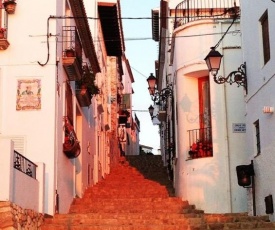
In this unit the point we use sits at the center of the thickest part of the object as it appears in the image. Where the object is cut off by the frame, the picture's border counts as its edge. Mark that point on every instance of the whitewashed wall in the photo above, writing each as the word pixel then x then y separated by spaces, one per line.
pixel 42 130
pixel 261 80
pixel 209 183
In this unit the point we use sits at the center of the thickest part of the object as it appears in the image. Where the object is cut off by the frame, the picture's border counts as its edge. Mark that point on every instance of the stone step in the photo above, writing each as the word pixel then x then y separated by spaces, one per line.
pixel 233 217
pixel 137 220
pixel 119 227
pixel 121 219
pixel 132 201
pixel 151 166
pixel 148 205
pixel 238 221
pixel 128 200
pixel 111 209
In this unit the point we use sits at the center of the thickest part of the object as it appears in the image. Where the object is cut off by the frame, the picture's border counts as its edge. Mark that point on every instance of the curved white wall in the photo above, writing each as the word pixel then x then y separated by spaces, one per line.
pixel 209 183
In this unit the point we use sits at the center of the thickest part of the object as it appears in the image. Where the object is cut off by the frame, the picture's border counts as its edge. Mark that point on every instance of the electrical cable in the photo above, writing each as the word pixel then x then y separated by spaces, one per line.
pixel 233 21
pixel 138 72
pixel 136 18
pixel 183 36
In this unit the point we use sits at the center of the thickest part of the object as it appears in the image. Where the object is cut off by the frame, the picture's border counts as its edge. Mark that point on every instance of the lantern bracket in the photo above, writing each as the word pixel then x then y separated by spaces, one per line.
pixel 238 77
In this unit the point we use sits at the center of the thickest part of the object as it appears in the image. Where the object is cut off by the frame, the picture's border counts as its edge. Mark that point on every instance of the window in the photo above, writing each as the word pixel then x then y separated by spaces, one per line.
pixel 257 135
pixel 200 140
pixel 265 37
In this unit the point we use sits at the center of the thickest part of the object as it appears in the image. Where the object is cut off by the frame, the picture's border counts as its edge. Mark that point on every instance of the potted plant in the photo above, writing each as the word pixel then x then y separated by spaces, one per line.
pixel 2 32
pixel 88 82
pixel 86 88
pixel 70 52
pixel 9 6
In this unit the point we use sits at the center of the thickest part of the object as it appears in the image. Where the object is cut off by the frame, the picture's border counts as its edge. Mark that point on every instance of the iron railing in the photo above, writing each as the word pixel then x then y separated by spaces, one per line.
pixel 200 142
pixel 24 165
pixel 71 41
pixel 193 10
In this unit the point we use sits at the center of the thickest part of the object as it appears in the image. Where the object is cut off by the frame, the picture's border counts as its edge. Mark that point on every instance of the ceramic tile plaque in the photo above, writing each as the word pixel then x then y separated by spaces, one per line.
pixel 28 94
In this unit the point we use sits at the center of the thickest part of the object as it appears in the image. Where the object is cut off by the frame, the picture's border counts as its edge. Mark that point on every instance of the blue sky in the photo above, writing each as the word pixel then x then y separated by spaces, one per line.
pixel 141 51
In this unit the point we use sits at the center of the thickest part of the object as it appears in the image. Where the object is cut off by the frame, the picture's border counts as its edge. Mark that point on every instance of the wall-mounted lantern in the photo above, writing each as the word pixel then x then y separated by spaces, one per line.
pixel 213 62
pixel 152 84
pixel 151 110
pixel 158 96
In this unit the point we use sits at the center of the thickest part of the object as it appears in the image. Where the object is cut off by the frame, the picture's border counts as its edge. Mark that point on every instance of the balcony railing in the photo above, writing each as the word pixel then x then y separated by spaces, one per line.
pixel 24 165
pixel 193 10
pixel 72 53
pixel 200 142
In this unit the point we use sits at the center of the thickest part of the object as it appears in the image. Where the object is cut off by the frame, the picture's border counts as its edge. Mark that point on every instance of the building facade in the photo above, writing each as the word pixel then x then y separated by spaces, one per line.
pixel 60 101
pixel 257 22
pixel 201 138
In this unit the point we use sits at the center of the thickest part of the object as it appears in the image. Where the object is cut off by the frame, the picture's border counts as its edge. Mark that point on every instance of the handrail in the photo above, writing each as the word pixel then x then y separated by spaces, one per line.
pixel 24 165
pixel 193 10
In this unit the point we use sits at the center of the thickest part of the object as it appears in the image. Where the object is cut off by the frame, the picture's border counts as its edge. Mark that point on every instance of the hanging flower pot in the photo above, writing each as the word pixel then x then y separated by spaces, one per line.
pixel 71 146
pixel 83 96
pixel 9 6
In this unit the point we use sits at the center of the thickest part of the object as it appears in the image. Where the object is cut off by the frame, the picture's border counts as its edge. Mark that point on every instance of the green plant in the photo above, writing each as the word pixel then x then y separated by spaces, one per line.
pixel 88 81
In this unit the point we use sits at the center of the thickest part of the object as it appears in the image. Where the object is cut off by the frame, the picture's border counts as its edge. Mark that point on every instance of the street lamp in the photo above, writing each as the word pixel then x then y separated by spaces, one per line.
pixel 152 83
pixel 158 96
pixel 151 110
pixel 213 62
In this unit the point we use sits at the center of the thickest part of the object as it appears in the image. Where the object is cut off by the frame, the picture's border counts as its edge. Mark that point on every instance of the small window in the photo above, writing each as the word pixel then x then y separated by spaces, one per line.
pixel 265 37
pixel 257 137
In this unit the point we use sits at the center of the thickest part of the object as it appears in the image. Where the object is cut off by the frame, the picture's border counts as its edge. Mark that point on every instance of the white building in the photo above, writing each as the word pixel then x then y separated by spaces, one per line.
pixel 55 124
pixel 200 137
pixel 258 38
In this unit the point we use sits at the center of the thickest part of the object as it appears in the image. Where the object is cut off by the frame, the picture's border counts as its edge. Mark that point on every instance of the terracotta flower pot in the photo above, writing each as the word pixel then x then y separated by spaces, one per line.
pixel 10 7
pixel 70 53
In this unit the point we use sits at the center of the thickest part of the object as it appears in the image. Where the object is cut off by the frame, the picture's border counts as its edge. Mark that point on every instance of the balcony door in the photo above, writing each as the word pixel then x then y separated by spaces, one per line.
pixel 204 102
pixel 205 142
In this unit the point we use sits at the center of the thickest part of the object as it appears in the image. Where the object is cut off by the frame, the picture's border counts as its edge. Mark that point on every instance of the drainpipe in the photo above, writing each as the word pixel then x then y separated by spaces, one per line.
pixel 56 200
pixel 227 149
pixel 229 195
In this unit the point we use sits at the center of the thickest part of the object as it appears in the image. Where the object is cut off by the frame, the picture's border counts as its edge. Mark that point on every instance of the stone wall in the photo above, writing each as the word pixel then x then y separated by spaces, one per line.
pixel 113 76
pixel 14 217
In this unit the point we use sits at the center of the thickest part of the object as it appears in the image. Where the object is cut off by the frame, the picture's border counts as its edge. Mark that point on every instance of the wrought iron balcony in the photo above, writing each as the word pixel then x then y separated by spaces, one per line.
pixel 200 142
pixel 193 10
pixel 24 165
pixel 72 53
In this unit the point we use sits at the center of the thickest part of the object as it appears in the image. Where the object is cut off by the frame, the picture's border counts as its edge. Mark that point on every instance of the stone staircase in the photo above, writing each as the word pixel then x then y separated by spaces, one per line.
pixel 126 200
pixel 152 168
